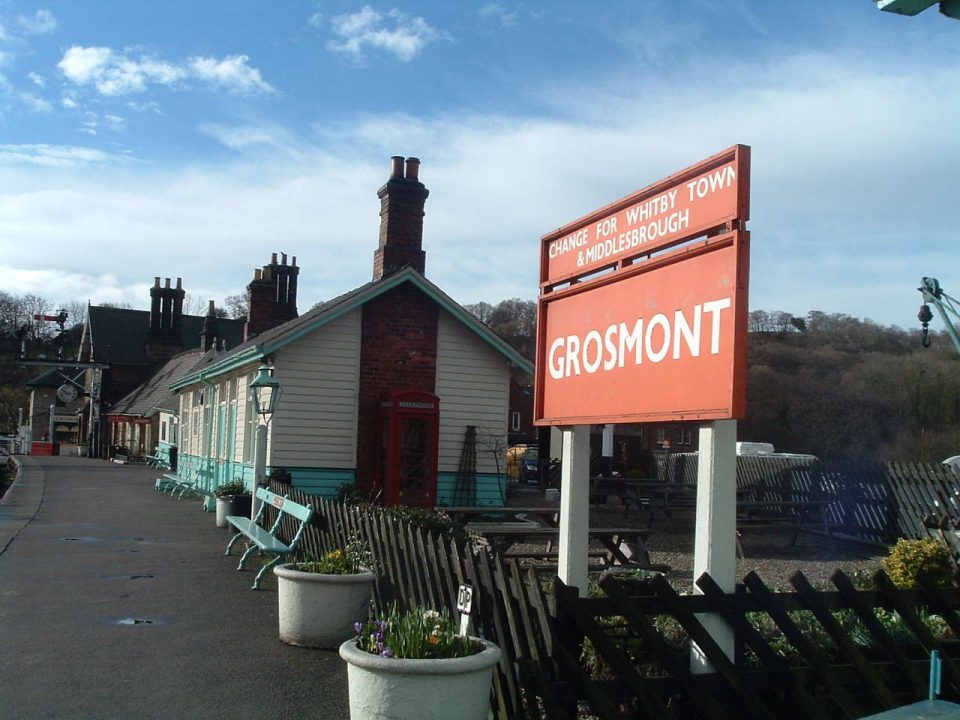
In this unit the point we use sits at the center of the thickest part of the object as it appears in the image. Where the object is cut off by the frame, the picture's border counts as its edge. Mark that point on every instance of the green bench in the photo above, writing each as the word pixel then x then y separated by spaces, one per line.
pixel 266 540
pixel 181 483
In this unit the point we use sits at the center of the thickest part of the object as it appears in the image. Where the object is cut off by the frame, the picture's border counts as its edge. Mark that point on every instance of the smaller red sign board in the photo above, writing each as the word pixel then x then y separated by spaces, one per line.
pixel 685 205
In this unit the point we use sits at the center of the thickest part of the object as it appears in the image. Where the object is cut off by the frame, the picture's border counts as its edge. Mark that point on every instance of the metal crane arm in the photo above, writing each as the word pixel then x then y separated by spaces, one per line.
pixel 946 306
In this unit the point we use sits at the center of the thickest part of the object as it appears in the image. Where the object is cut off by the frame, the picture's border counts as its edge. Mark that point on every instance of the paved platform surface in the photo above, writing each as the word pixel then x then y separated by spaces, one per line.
pixel 87 547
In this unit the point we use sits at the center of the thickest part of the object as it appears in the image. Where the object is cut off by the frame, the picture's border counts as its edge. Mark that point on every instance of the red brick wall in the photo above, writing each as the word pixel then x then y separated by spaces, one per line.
pixel 399 350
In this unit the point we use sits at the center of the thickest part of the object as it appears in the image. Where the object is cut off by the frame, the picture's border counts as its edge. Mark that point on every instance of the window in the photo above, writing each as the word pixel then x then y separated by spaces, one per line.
pixel 163 431
pixel 249 423
pixel 514 421
pixel 686 436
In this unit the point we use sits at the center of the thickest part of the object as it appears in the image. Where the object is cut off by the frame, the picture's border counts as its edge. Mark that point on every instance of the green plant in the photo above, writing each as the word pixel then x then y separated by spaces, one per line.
pixel 416 634
pixel 909 559
pixel 355 557
pixel 231 489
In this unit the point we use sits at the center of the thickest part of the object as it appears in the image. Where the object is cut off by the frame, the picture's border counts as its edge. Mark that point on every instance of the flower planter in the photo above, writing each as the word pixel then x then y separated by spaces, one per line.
pixel 319 610
pixel 232 505
pixel 447 689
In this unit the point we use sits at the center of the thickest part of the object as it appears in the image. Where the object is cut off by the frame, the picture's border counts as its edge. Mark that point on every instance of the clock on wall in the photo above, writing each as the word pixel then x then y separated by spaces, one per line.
pixel 67 393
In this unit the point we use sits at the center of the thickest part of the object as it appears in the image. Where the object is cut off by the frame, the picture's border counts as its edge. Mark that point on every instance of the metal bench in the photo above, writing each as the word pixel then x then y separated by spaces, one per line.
pixel 183 484
pixel 264 539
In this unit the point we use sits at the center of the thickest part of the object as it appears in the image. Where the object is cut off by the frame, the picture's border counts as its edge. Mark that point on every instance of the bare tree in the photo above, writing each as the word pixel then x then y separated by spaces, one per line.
pixel 237 306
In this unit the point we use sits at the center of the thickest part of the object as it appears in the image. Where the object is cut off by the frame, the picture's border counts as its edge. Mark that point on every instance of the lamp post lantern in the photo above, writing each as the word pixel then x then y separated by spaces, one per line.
pixel 266 394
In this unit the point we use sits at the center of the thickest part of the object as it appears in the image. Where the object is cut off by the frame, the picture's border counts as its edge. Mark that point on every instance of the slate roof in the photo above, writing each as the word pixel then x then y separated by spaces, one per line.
pixel 271 340
pixel 119 335
pixel 154 393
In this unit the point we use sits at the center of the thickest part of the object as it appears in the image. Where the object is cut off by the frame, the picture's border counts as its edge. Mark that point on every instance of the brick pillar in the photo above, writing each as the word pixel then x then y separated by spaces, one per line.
pixel 398 350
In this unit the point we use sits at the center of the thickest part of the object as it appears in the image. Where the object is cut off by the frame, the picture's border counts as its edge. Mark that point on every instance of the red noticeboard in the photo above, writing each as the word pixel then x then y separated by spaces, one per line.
pixel 659 337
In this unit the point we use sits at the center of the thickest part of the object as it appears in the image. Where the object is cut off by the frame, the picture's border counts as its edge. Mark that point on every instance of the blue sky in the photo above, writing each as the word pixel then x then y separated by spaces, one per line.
pixel 193 139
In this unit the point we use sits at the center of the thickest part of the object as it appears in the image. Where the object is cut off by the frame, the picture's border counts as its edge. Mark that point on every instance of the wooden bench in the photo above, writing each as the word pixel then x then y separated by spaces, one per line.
pixel 263 539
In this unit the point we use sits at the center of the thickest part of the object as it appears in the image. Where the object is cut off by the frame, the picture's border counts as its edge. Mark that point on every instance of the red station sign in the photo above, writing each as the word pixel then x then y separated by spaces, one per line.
pixel 661 335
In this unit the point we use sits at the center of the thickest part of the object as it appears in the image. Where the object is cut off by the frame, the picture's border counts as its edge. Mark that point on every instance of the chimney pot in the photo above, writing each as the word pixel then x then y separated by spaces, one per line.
pixel 166 282
pixel 211 310
pixel 257 274
pixel 156 282
pixel 283 258
pixel 396 167
pixel 179 283
pixel 273 259
pixel 294 263
pixel 413 168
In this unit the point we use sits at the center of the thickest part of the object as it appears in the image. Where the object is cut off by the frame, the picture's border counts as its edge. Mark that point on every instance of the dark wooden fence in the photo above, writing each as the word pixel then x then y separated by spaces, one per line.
pixel 871 502
pixel 542 673
pixel 804 655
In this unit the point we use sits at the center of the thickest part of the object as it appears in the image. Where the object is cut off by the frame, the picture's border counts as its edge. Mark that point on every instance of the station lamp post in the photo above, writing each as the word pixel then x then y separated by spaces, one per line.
pixel 266 394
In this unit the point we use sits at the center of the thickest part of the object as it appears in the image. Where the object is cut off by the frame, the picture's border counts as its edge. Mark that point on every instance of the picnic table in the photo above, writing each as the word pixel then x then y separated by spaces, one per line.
pixel 621 545
pixel 549 515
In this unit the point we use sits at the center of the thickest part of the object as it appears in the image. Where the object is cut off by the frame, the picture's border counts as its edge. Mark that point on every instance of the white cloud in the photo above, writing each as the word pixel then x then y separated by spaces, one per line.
pixel 40 24
pixel 316 20
pixel 500 14
pixel 252 137
pixel 114 122
pixel 68 102
pixel 394 32
pixel 233 74
pixel 114 73
pixel 37 80
pixel 51 155
pixel 34 103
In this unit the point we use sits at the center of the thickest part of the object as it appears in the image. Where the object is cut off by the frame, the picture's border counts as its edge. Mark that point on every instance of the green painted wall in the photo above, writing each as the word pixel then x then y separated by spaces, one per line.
pixel 491 489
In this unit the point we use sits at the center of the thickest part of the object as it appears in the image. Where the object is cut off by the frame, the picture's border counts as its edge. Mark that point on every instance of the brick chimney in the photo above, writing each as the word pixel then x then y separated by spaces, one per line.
pixel 165 335
pixel 210 335
pixel 401 220
pixel 271 296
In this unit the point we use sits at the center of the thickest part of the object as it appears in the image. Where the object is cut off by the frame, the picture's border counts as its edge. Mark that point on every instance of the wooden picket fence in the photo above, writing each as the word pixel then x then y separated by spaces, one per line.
pixel 802 655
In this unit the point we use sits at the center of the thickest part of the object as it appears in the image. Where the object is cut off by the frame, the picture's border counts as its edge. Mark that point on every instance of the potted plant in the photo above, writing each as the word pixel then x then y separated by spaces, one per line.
pixel 232 499
pixel 320 599
pixel 412 666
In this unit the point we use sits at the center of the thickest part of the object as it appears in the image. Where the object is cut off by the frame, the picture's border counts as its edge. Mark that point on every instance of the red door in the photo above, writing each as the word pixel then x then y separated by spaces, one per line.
pixel 409 426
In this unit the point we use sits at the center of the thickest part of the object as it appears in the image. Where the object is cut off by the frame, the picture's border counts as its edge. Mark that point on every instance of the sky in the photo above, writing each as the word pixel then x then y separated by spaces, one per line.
pixel 194 139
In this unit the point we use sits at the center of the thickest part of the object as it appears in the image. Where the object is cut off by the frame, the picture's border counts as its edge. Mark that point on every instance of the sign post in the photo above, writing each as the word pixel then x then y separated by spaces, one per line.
pixel 642 317
pixel 715 539
pixel 574 506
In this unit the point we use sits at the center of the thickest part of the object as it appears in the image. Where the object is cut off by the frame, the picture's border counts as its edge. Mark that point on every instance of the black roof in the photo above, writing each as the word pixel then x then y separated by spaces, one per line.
pixel 155 394
pixel 119 335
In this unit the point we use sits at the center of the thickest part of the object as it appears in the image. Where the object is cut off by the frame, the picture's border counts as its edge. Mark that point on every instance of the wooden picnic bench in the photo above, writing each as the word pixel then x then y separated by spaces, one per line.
pixel 265 539
pixel 502 538
pixel 548 515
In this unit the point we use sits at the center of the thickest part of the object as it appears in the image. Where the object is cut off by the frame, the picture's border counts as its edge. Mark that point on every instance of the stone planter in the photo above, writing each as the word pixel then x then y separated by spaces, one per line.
pixel 319 610
pixel 232 505
pixel 448 689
